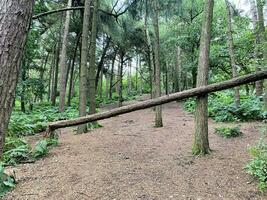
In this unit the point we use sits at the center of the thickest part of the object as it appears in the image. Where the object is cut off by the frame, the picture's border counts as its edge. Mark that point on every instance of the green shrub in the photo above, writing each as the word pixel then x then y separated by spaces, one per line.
pixel 6 182
pixel 41 149
pixel 221 108
pixel 258 165
pixel 228 132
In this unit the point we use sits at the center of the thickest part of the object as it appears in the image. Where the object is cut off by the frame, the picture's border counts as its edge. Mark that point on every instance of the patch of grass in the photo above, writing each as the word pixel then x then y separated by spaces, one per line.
pixel 7 182
pixel 228 132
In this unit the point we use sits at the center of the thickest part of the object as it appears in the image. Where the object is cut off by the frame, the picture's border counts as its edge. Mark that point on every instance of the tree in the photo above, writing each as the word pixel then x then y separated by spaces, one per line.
pixel 63 60
pixel 14 25
pixel 201 142
pixel 231 50
pixel 83 69
pixel 158 117
pixel 92 60
pixel 263 43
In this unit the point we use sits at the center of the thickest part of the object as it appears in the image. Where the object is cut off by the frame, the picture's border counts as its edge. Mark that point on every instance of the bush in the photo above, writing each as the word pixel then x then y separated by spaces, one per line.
pixel 222 108
pixel 6 182
pixel 228 132
pixel 258 165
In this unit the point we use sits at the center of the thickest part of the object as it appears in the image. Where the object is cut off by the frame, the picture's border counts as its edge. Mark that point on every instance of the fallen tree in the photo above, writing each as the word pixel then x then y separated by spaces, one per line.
pixel 159 101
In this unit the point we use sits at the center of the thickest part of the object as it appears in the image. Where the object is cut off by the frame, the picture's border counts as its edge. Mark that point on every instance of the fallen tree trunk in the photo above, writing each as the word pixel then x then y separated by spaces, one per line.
pixel 159 101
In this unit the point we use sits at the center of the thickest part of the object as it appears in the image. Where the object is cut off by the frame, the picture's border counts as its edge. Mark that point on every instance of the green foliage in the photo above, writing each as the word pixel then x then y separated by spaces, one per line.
pixel 228 132
pixel 17 150
pixel 40 149
pixel 6 182
pixel 22 124
pixel 258 165
pixel 222 108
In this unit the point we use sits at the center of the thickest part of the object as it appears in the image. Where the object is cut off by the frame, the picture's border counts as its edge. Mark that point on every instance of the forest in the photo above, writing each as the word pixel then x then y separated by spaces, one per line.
pixel 133 99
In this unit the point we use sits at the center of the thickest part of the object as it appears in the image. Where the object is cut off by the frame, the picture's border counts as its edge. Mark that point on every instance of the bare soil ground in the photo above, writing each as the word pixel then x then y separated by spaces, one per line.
pixel 129 159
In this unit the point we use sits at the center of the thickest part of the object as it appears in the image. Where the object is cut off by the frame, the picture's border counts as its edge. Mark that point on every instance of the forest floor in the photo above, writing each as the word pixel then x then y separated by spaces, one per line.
pixel 129 159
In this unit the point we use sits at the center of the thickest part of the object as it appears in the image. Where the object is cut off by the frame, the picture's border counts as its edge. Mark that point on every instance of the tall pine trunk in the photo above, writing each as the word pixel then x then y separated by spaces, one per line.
pixel 63 60
pixel 83 69
pixel 263 44
pixel 158 117
pixel 231 51
pixel 14 25
pixel 201 142
pixel 92 61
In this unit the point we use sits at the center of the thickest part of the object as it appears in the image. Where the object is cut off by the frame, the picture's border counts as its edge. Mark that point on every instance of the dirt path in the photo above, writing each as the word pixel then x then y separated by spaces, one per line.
pixel 129 159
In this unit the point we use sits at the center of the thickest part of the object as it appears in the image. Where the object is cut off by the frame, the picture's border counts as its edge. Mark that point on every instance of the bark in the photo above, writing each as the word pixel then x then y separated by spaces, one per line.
pixel 14 25
pixel 158 117
pixel 83 68
pixel 136 73
pixel 101 84
pixel 263 44
pixel 107 85
pixel 253 8
pixel 92 61
pixel 129 77
pixel 201 142
pixel 22 96
pixel 141 77
pixel 166 79
pixel 111 77
pixel 50 80
pixel 71 83
pixel 231 51
pixel 101 63
pixel 42 71
pixel 204 90
pixel 150 52
pixel 63 60
pixel 177 71
pixel 120 78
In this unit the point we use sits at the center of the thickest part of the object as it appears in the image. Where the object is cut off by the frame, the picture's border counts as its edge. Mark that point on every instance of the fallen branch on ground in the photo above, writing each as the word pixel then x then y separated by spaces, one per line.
pixel 159 101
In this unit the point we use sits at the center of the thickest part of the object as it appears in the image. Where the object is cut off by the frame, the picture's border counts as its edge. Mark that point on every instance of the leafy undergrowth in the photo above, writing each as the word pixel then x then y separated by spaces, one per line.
pixel 228 132
pixel 18 151
pixel 258 165
pixel 222 108
pixel 22 124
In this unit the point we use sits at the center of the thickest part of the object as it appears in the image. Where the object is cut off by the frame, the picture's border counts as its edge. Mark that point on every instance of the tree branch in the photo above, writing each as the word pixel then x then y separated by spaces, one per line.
pixel 159 101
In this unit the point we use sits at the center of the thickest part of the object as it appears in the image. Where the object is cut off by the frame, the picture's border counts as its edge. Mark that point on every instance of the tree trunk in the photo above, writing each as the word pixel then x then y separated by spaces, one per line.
pixel 231 51
pixel 150 55
pixel 120 77
pixel 253 8
pixel 14 25
pixel 141 77
pixel 263 43
pixel 111 77
pixel 201 143
pixel 83 69
pixel 22 96
pixel 107 85
pixel 129 77
pixel 101 84
pixel 42 71
pixel 158 117
pixel 92 61
pixel 71 83
pixel 159 101
pixel 63 60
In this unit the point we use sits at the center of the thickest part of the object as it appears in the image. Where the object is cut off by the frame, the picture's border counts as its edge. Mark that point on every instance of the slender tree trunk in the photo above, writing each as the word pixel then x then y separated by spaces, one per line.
pixel 167 79
pixel 14 25
pixel 120 77
pixel 83 69
pixel 111 77
pixel 50 80
pixel 22 96
pixel 92 61
pixel 63 60
pixel 141 78
pixel 107 85
pixel 201 143
pixel 71 83
pixel 101 84
pixel 42 71
pixel 158 117
pixel 150 50
pixel 136 73
pixel 253 8
pixel 231 51
pixel 130 77
pixel 263 43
